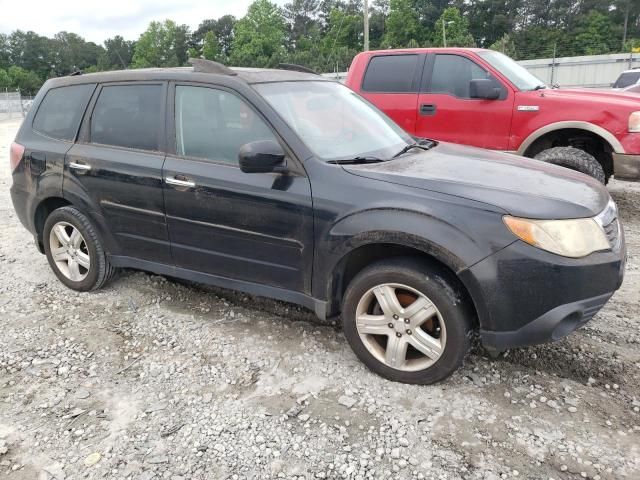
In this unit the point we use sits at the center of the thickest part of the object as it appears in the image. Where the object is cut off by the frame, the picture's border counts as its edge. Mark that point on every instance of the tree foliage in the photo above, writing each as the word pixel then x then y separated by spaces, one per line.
pixel 163 44
pixel 259 36
pixel 326 34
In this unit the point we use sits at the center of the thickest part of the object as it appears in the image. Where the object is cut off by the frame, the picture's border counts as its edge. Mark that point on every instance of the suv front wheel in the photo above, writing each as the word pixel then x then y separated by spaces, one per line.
pixel 74 250
pixel 407 321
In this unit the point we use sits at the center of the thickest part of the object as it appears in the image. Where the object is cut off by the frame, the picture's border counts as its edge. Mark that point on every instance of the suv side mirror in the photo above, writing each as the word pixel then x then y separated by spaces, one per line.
pixel 484 88
pixel 264 156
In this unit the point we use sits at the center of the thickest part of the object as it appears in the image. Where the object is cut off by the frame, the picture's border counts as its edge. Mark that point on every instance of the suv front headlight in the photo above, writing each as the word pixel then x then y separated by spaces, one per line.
pixel 634 122
pixel 570 238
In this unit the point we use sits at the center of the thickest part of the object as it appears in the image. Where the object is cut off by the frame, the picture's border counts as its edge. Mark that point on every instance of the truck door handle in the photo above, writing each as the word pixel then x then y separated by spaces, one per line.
pixel 427 109
pixel 180 181
pixel 80 166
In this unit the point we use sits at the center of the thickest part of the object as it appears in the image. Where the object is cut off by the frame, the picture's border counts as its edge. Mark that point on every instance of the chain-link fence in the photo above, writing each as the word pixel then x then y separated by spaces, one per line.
pixel 12 105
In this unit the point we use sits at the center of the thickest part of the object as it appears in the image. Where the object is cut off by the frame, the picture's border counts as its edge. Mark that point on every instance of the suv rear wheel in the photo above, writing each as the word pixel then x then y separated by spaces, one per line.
pixel 74 251
pixel 407 321
pixel 575 159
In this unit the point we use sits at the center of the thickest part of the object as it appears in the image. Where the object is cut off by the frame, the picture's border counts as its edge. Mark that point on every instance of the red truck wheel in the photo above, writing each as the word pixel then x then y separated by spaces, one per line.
pixel 575 159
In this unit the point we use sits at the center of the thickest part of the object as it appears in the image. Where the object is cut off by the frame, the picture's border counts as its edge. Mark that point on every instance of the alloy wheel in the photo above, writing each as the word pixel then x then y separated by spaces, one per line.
pixel 69 251
pixel 401 327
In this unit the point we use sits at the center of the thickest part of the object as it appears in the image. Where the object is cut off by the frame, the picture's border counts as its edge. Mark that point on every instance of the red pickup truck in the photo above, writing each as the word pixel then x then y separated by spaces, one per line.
pixel 483 98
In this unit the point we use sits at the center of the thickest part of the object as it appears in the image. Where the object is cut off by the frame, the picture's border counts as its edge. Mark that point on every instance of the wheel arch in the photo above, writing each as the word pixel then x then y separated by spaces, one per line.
pixel 554 128
pixel 47 205
pixel 364 254
pixel 593 139
pixel 42 211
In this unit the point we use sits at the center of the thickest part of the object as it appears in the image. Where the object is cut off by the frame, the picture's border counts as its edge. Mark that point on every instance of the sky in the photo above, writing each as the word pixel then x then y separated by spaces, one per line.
pixel 97 20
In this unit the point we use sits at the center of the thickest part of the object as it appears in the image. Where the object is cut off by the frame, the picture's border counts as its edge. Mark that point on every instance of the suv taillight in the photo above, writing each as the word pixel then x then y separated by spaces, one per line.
pixel 15 155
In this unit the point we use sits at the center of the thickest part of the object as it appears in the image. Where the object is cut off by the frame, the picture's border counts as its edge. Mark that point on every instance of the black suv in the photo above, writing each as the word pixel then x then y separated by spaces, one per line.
pixel 288 185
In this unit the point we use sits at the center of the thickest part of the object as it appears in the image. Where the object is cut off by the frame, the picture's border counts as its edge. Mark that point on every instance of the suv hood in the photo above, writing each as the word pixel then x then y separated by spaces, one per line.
pixel 516 185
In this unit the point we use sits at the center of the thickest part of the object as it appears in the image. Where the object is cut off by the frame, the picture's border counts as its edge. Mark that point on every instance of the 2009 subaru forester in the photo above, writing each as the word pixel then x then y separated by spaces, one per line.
pixel 288 185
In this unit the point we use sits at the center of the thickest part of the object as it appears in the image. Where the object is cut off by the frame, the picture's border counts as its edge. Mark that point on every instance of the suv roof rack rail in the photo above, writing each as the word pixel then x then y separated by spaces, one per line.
pixel 77 72
pixel 296 68
pixel 209 66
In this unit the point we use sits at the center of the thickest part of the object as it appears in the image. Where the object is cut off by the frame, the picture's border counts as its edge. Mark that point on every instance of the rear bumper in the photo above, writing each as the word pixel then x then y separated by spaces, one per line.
pixel 626 167
pixel 526 296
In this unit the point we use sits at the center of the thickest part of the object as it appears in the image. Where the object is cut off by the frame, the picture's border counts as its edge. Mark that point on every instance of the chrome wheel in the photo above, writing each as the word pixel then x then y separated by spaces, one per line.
pixel 401 327
pixel 69 251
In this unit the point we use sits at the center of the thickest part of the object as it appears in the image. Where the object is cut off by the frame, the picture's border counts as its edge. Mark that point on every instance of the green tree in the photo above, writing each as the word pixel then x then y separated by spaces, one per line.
pixel 505 45
pixel 457 30
pixel 118 54
pixel 211 47
pixel 24 80
pixel 5 81
pixel 403 25
pixel 70 52
pixel 259 36
pixel 5 51
pixel 31 51
pixel 163 44
pixel 594 35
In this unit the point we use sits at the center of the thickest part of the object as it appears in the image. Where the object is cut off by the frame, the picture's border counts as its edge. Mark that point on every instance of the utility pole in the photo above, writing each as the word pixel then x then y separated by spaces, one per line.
pixel 444 34
pixel 366 25
pixel 626 23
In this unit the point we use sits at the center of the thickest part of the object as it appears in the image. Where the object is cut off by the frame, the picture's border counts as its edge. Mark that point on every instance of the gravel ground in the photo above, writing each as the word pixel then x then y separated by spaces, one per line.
pixel 151 378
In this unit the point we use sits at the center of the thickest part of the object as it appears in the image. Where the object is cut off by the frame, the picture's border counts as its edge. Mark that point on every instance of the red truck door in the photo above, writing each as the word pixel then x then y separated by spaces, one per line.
pixel 447 112
pixel 391 82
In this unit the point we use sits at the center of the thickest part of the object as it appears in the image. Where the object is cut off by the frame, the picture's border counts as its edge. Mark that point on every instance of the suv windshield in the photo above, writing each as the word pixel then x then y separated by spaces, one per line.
pixel 333 121
pixel 515 73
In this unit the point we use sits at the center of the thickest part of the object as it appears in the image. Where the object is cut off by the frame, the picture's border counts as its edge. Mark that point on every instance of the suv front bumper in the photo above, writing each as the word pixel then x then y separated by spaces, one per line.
pixel 626 167
pixel 526 296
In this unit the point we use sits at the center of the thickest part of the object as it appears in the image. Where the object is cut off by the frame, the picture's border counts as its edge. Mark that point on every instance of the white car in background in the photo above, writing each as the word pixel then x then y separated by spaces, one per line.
pixel 629 81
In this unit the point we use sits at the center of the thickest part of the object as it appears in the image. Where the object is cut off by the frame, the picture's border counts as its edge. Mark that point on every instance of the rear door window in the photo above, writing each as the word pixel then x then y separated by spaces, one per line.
pixel 61 110
pixel 390 74
pixel 129 116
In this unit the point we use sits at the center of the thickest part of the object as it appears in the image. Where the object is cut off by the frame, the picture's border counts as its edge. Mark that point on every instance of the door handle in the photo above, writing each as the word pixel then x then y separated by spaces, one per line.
pixel 428 109
pixel 80 166
pixel 180 181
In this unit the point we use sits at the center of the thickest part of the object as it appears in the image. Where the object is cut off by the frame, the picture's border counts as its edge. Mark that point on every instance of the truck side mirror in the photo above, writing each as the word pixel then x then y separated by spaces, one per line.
pixel 484 88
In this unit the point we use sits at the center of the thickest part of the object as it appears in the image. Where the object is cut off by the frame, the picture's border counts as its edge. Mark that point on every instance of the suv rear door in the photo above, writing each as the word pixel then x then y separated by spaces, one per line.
pixel 115 169
pixel 253 227
pixel 391 83
pixel 447 112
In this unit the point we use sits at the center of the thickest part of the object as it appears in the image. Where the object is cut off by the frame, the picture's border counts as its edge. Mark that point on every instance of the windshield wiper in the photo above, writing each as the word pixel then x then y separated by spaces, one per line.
pixel 539 87
pixel 423 145
pixel 356 160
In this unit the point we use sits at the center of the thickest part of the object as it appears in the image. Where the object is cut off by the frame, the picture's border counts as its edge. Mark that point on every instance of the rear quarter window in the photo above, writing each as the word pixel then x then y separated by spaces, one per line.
pixel 390 74
pixel 61 110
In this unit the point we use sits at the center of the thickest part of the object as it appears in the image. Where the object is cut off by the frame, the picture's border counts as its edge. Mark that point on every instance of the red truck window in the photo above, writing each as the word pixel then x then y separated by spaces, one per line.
pixel 391 74
pixel 452 74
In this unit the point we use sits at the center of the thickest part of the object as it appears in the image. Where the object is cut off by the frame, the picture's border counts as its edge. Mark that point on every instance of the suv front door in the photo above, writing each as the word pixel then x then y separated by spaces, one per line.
pixel 447 112
pixel 253 227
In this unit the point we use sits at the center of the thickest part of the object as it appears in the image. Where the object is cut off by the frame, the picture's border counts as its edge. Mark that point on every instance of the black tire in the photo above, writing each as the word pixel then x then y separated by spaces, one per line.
pixel 441 288
pixel 575 159
pixel 100 270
